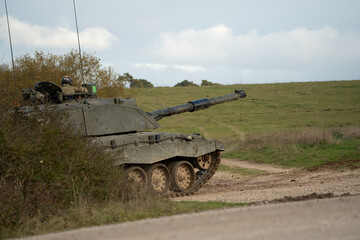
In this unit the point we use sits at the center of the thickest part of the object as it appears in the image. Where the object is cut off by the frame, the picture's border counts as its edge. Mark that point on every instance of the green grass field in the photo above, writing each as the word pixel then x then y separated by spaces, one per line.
pixel 267 107
pixel 313 108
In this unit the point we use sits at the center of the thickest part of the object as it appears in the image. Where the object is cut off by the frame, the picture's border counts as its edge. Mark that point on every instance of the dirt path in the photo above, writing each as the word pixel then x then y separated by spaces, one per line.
pixel 277 184
pixel 251 165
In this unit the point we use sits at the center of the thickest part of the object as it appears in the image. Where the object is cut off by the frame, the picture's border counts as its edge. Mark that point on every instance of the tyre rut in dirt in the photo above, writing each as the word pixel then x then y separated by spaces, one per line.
pixel 158 178
pixel 182 176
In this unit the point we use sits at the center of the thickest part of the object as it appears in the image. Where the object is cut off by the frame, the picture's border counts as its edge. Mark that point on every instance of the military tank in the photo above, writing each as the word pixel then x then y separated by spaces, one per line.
pixel 169 163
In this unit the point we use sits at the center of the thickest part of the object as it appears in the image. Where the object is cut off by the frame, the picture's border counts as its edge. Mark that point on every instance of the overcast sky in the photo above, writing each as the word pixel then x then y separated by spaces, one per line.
pixel 223 41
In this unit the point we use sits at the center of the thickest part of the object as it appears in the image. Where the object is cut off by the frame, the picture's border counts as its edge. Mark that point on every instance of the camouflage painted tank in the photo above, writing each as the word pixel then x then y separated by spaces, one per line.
pixel 170 163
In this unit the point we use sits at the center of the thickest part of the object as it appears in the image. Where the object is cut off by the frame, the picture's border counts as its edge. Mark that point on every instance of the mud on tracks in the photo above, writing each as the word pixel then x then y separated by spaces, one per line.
pixel 277 185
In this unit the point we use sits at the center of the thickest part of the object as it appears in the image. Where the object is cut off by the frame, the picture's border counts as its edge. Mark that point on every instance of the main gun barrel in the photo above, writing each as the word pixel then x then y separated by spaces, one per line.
pixel 196 105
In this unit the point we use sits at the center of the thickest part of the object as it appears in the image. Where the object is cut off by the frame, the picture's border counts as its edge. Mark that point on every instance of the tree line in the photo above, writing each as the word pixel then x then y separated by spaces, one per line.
pixel 187 83
pixel 52 67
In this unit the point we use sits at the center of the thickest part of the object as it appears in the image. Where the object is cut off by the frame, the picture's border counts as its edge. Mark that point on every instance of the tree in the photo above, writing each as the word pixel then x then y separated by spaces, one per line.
pixel 208 83
pixel 126 77
pixel 135 83
pixel 140 83
pixel 51 67
pixel 185 83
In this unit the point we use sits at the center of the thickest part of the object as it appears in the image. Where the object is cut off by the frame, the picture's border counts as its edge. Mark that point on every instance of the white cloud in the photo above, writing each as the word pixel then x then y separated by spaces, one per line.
pixel 29 35
pixel 188 68
pixel 218 45
pixel 195 44
pixel 160 67
pixel 152 66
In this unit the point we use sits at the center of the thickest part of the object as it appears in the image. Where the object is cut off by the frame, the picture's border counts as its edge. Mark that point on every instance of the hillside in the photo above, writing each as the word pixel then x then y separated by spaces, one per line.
pixel 267 108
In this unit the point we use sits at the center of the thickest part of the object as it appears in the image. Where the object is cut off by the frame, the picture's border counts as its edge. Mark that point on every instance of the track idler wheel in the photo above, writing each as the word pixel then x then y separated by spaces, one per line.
pixel 182 176
pixel 159 178
pixel 137 175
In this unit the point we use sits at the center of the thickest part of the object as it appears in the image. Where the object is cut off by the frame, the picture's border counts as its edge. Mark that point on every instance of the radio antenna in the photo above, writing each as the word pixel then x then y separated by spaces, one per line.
pixel 11 49
pixel 78 38
pixel 81 65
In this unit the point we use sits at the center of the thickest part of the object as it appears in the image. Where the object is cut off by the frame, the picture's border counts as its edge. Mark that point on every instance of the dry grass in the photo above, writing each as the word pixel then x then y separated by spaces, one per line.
pixel 348 132
pixel 309 136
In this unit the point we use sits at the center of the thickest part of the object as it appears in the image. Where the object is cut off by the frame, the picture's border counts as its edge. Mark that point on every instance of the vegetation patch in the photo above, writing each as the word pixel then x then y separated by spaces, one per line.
pixel 50 175
pixel 93 215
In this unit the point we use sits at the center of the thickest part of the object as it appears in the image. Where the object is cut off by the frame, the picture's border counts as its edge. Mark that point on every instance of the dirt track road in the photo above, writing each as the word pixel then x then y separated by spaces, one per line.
pixel 278 183
pixel 330 218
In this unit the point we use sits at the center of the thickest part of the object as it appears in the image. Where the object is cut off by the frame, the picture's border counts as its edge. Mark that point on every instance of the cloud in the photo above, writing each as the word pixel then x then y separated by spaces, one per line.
pixel 152 66
pixel 188 68
pixel 218 45
pixel 193 44
pixel 160 67
pixel 29 35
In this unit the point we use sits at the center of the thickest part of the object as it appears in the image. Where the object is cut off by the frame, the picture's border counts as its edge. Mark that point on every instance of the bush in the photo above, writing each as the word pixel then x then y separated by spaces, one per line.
pixel 185 83
pixel 140 83
pixel 46 169
pixel 208 83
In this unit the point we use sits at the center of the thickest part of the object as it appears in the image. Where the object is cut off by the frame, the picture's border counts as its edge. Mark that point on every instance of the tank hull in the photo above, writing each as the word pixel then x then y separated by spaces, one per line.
pixel 180 163
pixel 153 147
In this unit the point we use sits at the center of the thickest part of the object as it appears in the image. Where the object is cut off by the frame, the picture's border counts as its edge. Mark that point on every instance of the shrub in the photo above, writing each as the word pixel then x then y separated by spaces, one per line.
pixel 46 169
pixel 208 83
pixel 185 83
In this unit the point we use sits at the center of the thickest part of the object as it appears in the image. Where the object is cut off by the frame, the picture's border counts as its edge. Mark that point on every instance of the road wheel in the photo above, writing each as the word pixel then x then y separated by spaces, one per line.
pixel 203 162
pixel 136 174
pixel 182 176
pixel 159 178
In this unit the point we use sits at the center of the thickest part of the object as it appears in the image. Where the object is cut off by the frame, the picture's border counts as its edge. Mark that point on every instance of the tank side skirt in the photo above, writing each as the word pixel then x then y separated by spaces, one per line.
pixel 152 153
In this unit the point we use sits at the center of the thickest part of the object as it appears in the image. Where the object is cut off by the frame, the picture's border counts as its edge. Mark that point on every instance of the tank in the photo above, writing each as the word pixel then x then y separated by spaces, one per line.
pixel 169 163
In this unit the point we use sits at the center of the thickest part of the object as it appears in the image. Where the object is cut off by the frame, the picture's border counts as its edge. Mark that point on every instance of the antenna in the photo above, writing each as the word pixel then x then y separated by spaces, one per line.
pixel 81 66
pixel 11 50
pixel 78 38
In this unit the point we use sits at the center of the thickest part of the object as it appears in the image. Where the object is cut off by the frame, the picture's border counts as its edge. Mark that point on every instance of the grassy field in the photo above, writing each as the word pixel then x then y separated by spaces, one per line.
pixel 326 111
pixel 267 107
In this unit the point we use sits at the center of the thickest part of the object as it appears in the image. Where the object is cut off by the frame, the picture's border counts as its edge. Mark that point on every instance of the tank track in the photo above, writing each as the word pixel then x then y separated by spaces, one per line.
pixel 204 178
